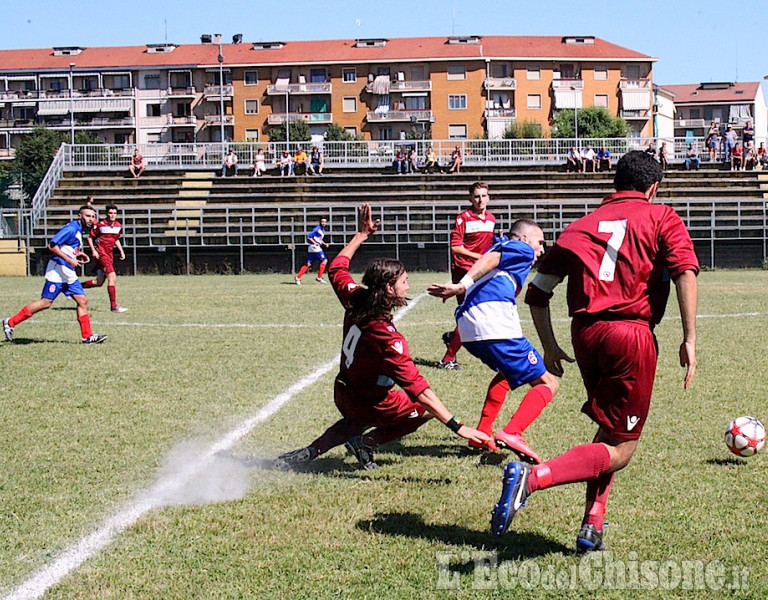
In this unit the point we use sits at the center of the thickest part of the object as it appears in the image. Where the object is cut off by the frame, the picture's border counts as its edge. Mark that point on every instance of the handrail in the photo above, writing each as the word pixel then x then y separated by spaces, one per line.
pixel 48 184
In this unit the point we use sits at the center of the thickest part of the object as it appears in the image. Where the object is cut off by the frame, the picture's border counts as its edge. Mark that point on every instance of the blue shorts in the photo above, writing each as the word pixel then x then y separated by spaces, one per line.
pixel 52 289
pixel 316 257
pixel 516 359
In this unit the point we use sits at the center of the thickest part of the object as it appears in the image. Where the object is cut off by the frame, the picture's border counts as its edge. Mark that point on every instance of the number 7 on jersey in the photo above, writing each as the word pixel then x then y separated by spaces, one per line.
pixel 617 229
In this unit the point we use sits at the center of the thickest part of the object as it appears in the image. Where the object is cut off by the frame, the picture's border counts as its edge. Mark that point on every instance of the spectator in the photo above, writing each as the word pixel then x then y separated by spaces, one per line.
pixel 737 157
pixel 300 162
pixel 259 167
pixel 315 161
pixel 136 166
pixel 604 159
pixel 286 164
pixel 230 164
pixel 456 160
pixel 588 157
pixel 401 161
pixel 712 140
pixel 431 163
pixel 748 134
pixel 730 142
pixel 750 158
pixel 413 161
pixel 663 156
pixel 651 149
pixel 762 156
pixel 692 157
pixel 573 161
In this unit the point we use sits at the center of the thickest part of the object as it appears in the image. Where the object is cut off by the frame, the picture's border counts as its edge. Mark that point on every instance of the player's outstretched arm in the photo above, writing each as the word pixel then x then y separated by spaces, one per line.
pixel 485 264
pixel 366 226
pixel 687 290
pixel 434 405
pixel 554 355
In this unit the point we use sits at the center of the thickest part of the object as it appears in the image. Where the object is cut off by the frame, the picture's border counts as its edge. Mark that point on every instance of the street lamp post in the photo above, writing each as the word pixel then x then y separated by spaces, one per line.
pixel 71 105
pixel 217 39
pixel 287 119
pixel 575 116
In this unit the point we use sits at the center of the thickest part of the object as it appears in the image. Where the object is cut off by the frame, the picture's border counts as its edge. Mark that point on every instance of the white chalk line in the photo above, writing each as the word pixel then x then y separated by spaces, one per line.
pixel 74 556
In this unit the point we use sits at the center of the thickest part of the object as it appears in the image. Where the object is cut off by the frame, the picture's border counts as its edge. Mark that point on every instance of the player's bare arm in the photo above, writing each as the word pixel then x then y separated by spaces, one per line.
pixel 119 247
pixel 92 246
pixel 366 226
pixel 485 264
pixel 434 405
pixel 462 251
pixel 72 262
pixel 687 291
pixel 554 355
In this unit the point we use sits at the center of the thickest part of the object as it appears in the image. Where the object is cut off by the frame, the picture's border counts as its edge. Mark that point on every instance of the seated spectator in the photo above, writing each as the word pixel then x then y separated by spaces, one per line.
pixel 692 157
pixel 604 159
pixel 315 161
pixel 737 157
pixel 762 156
pixel 300 162
pixel 663 156
pixel 431 162
pixel 413 161
pixel 573 161
pixel 136 166
pixel 286 164
pixel 401 161
pixel 750 157
pixel 259 167
pixel 230 164
pixel 588 158
pixel 456 160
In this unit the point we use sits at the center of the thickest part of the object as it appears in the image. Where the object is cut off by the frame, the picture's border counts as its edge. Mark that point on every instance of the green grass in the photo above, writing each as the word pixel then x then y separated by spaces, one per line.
pixel 87 429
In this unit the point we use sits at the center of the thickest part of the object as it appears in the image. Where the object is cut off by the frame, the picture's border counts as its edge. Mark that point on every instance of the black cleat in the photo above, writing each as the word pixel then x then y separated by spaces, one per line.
pixel 362 452
pixel 94 338
pixel 589 539
pixel 295 459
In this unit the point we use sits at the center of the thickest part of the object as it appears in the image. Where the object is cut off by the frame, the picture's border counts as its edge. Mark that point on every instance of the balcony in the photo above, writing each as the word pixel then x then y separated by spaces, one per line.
pixel 216 120
pixel 95 123
pixel 85 105
pixel 500 113
pixel 299 89
pixel 500 83
pixel 642 114
pixel 403 116
pixel 187 121
pixel 317 118
pixel 567 84
pixel 691 123
pixel 635 84
pixel 214 92
pixel 398 85
pixel 182 92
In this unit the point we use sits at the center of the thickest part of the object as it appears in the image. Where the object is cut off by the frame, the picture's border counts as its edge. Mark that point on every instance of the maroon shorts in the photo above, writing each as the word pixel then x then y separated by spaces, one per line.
pixel 456 274
pixel 396 408
pixel 618 365
pixel 105 263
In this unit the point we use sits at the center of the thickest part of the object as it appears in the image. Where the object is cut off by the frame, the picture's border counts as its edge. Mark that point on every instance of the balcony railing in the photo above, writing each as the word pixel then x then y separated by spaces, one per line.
pixel 635 83
pixel 500 113
pixel 319 118
pixel 180 121
pixel 690 123
pixel 182 91
pixel 298 89
pixel 216 119
pixel 392 116
pixel 405 85
pixel 26 95
pixel 500 83
pixel 635 114
pixel 214 92
pixel 567 84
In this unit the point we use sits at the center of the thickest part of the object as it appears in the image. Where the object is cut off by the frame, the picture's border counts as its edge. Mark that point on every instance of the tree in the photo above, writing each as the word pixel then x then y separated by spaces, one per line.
pixel 34 155
pixel 523 130
pixel 593 122
pixel 299 131
pixel 336 133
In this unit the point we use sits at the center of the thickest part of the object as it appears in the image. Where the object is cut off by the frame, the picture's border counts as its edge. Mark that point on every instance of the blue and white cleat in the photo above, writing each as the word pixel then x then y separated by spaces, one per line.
pixel 514 493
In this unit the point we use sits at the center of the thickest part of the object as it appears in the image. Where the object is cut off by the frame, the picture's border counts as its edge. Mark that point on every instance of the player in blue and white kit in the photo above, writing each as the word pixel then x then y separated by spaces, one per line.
pixel 315 252
pixel 489 326
pixel 61 276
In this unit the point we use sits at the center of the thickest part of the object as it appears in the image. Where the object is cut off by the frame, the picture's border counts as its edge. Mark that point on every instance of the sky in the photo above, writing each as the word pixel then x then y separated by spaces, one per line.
pixel 688 37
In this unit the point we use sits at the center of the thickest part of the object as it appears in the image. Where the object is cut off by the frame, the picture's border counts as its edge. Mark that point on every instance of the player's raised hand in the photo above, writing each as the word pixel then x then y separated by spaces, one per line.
pixel 445 290
pixel 366 224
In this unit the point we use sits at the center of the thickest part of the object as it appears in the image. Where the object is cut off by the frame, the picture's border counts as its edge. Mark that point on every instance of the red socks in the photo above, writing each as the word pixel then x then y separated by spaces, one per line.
pixel 85 325
pixel 598 491
pixel 301 272
pixel 494 400
pixel 455 346
pixel 580 463
pixel 321 270
pixel 20 316
pixel 90 283
pixel 530 407
pixel 112 296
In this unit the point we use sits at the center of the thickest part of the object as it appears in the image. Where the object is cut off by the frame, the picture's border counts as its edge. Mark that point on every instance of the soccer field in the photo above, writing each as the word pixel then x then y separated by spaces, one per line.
pixel 134 469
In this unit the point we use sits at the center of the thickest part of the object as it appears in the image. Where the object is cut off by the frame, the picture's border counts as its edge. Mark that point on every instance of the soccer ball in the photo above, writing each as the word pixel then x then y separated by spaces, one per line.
pixel 745 436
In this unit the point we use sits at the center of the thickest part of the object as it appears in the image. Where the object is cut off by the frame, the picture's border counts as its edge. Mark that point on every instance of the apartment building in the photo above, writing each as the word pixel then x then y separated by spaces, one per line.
pixel 452 87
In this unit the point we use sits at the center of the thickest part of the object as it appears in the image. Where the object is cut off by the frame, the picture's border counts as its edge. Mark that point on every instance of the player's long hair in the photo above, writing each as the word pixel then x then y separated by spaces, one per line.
pixel 378 301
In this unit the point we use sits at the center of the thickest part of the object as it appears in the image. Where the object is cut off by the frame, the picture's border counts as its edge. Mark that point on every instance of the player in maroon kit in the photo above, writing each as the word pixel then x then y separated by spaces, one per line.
pixel 471 237
pixel 618 260
pixel 375 357
pixel 105 236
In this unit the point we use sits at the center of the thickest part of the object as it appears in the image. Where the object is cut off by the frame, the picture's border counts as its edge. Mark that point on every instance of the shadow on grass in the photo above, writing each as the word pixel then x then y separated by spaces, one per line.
pixel 423 362
pixel 26 341
pixel 513 546
pixel 725 462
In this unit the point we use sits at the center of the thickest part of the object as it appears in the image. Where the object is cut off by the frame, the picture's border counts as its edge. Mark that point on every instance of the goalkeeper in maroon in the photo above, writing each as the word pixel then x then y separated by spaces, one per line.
pixel 375 358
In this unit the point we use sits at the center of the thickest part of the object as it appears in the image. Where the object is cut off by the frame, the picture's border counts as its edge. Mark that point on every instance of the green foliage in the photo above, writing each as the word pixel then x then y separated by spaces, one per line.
pixel 417 132
pixel 299 131
pixel 34 154
pixel 520 130
pixel 593 122
pixel 336 133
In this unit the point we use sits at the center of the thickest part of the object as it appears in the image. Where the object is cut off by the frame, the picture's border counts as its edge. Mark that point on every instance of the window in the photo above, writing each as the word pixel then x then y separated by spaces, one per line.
pixel 251 135
pixel 457 132
pixel 457 72
pixel 351 131
pixel 184 109
pixel 633 71
pixel 534 101
pixel 153 110
pixel 385 133
pixel 383 71
pixel 153 138
pixel 500 70
pixel 121 82
pixel 318 76
pixel 349 75
pixel 601 100
pixel 121 138
pixel 56 85
pixel 695 113
pixel 151 82
pixel 349 104
pixel 251 77
pixel 533 73
pixel 251 107
pixel 601 73
pixel 457 101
